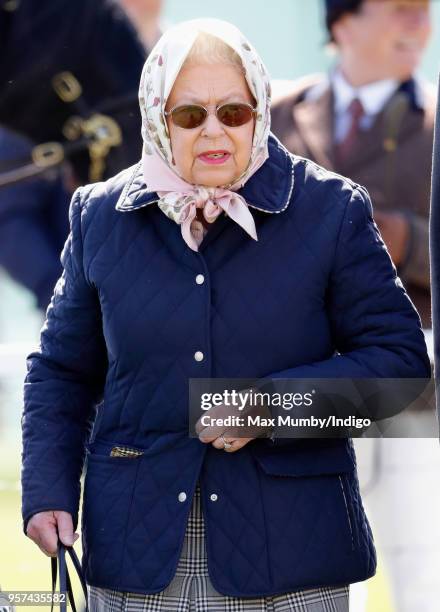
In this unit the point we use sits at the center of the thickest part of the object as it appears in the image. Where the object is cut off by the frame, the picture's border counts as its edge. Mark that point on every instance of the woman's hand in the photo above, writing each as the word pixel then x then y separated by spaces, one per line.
pixel 44 528
pixel 236 435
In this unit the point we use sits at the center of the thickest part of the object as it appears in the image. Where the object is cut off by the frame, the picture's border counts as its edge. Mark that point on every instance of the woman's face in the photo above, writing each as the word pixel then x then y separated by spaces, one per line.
pixel 210 85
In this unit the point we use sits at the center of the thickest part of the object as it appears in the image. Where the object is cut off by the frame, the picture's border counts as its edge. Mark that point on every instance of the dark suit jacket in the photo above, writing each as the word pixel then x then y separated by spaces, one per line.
pixel 392 160
pixel 434 239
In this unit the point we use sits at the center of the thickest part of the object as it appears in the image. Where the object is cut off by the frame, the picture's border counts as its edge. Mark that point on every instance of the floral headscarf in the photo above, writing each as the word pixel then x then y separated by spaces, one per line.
pixel 179 199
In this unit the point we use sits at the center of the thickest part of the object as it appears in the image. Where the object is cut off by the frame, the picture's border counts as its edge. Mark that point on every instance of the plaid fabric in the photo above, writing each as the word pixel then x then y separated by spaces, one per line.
pixel 191 589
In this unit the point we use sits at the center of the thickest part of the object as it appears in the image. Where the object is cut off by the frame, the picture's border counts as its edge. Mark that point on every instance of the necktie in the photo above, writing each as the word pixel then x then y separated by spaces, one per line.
pixel 347 145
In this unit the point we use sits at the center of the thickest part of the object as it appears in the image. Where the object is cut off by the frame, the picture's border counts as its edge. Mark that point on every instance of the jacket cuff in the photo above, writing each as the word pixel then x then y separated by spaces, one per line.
pixel 64 493
pixel 29 515
pixel 265 385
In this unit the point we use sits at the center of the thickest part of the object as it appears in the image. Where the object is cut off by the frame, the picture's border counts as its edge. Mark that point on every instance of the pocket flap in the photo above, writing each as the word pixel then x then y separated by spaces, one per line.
pixel 306 459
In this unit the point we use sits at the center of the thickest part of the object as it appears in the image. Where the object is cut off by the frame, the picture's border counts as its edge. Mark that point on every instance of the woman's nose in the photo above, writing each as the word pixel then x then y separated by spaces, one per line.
pixel 212 126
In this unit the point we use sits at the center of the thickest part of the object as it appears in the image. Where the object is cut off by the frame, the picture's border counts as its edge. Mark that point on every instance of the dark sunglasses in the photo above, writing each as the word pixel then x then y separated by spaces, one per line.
pixel 191 116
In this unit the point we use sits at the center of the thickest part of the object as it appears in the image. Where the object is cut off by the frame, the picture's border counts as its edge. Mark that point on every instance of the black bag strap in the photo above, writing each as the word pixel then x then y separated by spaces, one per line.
pixel 65 584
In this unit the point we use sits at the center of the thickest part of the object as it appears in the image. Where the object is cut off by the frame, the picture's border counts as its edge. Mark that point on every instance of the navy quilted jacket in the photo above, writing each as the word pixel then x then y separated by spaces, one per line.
pixel 316 296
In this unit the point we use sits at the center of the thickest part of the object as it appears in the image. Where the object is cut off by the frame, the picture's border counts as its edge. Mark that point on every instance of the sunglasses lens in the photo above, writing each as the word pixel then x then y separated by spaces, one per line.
pixel 189 116
pixel 234 115
pixel 193 116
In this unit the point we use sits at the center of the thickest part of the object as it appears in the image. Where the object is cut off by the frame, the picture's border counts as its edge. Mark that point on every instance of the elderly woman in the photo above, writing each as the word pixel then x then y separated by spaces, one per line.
pixel 218 255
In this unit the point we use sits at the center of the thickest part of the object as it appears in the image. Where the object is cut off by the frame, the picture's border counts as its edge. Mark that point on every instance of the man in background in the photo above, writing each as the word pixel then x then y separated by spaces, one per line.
pixel 372 120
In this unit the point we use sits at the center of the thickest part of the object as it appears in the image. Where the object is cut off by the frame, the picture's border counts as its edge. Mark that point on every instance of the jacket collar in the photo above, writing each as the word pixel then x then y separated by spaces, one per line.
pixel 414 90
pixel 268 190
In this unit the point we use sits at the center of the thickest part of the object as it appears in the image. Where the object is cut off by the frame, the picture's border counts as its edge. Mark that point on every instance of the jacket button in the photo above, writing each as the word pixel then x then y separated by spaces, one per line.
pixel 199 356
pixel 214 497
pixel 200 279
pixel 182 496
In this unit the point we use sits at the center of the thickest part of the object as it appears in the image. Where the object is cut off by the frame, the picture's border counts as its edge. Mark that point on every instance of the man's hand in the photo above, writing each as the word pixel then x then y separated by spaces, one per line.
pixel 394 228
pixel 42 529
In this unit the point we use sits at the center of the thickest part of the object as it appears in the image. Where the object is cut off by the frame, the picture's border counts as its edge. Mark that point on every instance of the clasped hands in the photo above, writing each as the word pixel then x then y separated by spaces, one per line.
pixel 235 436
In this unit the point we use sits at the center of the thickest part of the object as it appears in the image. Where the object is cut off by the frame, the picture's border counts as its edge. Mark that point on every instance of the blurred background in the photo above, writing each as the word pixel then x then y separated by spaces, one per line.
pixel 290 36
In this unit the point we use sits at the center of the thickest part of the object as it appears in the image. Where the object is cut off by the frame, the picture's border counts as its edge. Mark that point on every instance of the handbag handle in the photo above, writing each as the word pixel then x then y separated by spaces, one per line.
pixel 65 584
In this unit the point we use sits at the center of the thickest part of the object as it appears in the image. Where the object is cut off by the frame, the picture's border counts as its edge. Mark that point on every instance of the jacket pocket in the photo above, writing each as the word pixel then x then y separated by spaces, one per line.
pixel 305 458
pixel 109 487
pixel 102 451
pixel 348 507
pixel 315 481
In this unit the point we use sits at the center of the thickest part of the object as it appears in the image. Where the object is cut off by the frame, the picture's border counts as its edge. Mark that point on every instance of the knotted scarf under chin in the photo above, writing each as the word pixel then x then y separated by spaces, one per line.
pixel 182 208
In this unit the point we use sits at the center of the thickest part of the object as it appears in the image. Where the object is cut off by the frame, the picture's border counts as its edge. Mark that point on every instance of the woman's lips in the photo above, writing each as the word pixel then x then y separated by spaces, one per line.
pixel 214 157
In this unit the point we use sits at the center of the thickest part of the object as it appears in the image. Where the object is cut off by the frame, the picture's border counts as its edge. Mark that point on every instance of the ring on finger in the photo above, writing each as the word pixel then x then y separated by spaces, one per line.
pixel 226 445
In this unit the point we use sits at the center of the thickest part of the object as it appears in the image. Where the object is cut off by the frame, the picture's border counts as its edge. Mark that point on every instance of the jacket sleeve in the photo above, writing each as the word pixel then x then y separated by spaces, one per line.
pixel 375 328
pixel 65 378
